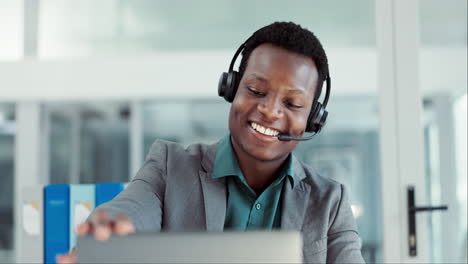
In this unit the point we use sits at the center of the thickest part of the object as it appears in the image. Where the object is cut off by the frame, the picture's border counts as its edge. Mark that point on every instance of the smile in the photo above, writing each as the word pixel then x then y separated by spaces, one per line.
pixel 264 130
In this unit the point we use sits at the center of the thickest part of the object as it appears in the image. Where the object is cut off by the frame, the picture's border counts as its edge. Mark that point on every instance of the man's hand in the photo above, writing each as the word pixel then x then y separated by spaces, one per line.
pixel 102 227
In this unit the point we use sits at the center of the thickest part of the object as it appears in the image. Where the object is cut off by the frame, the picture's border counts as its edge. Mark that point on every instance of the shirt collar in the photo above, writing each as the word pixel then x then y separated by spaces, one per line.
pixel 226 163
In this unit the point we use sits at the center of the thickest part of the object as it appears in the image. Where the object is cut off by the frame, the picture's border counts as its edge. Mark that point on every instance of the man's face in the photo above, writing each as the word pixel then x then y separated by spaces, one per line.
pixel 274 96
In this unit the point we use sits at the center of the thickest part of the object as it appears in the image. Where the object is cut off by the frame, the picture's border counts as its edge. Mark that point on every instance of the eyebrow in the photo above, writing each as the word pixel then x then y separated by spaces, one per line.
pixel 259 78
pixel 295 91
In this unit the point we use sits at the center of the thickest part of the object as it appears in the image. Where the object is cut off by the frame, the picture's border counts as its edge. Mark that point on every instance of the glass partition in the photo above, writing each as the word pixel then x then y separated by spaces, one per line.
pixel 184 121
pixel 88 142
pixel 88 28
pixel 11 30
pixel 7 154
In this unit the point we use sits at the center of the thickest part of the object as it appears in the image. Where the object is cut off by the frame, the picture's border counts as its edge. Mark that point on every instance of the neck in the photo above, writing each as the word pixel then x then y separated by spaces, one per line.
pixel 259 174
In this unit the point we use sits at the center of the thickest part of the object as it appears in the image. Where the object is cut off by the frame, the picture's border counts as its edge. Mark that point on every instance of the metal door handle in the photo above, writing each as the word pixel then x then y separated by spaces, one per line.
pixel 412 210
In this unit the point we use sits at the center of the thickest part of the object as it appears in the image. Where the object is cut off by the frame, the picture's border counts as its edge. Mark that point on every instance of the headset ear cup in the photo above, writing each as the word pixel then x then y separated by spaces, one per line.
pixel 317 119
pixel 320 119
pixel 323 120
pixel 312 116
pixel 231 86
pixel 222 85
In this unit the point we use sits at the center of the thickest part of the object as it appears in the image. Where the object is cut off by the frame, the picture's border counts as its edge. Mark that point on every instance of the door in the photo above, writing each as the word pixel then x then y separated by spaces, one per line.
pixel 422 81
pixel 443 68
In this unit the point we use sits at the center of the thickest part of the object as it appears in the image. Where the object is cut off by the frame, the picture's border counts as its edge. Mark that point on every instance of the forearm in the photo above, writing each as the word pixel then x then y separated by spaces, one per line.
pixel 139 203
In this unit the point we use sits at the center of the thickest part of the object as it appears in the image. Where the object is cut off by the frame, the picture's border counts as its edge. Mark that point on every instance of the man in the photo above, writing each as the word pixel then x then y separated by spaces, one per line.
pixel 249 179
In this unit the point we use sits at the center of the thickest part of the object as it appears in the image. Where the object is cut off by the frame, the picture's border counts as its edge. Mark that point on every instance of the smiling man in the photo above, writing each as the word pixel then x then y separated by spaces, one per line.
pixel 250 179
pixel 274 97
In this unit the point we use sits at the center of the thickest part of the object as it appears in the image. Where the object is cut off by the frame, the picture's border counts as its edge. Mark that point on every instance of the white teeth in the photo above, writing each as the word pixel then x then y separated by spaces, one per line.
pixel 264 130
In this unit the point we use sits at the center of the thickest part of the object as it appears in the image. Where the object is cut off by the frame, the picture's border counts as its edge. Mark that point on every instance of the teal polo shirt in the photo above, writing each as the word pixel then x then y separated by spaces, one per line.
pixel 245 209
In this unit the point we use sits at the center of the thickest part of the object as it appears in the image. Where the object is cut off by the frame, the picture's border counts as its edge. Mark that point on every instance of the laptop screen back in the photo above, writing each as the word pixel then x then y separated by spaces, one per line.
pixel 203 247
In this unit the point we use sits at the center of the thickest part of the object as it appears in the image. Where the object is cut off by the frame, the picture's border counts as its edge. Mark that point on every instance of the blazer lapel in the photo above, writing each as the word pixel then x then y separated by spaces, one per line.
pixel 214 192
pixel 295 200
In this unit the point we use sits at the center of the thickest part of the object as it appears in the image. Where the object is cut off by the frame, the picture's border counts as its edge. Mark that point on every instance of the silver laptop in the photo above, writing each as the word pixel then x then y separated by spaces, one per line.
pixel 202 247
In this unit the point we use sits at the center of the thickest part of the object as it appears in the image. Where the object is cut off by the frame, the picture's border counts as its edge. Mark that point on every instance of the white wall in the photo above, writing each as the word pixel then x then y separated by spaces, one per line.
pixel 196 74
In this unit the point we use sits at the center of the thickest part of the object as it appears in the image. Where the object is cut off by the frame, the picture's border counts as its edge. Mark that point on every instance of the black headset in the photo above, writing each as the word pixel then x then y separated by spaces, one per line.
pixel 229 82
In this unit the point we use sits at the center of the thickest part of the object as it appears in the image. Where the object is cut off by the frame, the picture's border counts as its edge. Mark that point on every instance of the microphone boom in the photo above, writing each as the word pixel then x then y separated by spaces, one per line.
pixel 289 138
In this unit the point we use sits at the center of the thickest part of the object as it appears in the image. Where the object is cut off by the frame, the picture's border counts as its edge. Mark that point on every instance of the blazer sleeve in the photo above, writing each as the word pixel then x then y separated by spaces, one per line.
pixel 344 244
pixel 143 198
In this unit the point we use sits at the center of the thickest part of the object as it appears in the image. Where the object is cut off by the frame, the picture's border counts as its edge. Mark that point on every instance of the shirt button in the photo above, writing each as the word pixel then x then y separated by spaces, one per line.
pixel 258 206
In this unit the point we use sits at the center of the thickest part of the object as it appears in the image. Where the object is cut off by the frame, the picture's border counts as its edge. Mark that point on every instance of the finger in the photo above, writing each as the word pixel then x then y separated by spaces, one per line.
pixel 102 232
pixel 100 217
pixel 101 225
pixel 123 225
pixel 83 228
pixel 67 258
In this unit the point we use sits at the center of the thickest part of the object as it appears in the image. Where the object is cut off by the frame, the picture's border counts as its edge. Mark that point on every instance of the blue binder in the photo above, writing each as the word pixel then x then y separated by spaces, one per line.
pixel 107 191
pixel 56 221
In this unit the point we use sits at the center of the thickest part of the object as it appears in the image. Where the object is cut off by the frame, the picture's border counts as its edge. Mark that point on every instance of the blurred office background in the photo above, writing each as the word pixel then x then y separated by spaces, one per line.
pixel 87 140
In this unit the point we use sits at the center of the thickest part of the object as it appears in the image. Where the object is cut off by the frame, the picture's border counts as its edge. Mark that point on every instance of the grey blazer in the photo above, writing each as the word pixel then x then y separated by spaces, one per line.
pixel 174 191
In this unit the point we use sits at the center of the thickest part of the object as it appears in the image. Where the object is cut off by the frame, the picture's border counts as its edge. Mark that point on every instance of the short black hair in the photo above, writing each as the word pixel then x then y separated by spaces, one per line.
pixel 294 38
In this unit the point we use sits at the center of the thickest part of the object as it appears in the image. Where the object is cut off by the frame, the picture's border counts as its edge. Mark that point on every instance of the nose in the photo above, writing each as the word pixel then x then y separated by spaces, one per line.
pixel 270 109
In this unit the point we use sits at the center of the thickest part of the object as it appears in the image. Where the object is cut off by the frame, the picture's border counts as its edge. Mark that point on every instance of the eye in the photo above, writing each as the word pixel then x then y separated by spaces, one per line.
pixel 254 92
pixel 292 105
